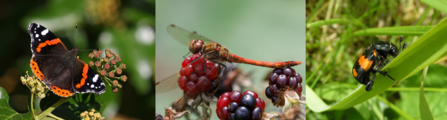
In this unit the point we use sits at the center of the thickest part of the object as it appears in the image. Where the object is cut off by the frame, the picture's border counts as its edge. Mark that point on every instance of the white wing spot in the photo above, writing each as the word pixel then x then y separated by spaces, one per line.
pixel 95 79
pixel 96 87
pixel 92 86
pixel 88 84
pixel 39 39
pixel 37 35
pixel 102 84
pixel 44 32
pixel 38 26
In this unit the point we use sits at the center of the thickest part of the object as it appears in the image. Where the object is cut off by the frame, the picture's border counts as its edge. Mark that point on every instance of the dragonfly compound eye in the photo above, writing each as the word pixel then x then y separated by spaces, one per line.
pixel 195 45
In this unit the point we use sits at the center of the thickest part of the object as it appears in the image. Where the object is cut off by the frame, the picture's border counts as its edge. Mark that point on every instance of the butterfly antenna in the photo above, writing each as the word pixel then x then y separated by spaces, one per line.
pixel 76 34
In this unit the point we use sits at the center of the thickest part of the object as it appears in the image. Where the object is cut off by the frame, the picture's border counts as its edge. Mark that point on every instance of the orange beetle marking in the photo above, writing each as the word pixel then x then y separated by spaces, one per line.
pixel 61 92
pixel 49 43
pixel 354 72
pixel 375 54
pixel 84 76
pixel 36 70
pixel 364 63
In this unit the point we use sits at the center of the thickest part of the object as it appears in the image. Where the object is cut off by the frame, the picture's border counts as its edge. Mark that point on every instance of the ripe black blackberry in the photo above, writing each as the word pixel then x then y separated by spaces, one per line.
pixel 237 106
pixel 281 80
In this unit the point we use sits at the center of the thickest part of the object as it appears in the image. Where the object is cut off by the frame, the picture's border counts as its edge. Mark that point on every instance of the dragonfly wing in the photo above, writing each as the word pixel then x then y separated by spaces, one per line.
pixel 184 36
pixel 167 84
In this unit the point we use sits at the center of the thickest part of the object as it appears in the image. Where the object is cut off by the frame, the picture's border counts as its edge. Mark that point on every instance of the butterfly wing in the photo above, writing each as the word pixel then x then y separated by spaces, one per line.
pixel 86 80
pixel 50 62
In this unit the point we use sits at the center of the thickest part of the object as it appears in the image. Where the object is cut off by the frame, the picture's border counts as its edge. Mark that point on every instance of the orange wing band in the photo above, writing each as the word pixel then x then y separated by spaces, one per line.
pixel 61 92
pixel 84 76
pixel 36 70
pixel 48 43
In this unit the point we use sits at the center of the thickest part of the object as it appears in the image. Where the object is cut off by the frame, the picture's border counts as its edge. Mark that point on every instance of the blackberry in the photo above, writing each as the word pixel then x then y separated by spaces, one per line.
pixel 248 101
pixel 193 74
pixel 237 106
pixel 281 80
pixel 242 113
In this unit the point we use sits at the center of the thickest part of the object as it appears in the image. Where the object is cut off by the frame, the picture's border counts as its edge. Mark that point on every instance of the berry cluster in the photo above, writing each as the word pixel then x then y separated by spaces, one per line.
pixel 281 80
pixel 91 115
pixel 34 84
pixel 195 79
pixel 237 106
pixel 108 67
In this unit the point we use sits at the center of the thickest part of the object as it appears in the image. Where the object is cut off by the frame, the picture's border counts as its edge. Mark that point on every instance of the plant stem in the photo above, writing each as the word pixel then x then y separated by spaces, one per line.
pixel 32 107
pixel 51 108
pixel 205 109
pixel 54 116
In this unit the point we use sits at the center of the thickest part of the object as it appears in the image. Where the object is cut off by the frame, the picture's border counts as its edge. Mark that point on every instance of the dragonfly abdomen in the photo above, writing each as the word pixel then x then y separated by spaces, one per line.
pixel 237 59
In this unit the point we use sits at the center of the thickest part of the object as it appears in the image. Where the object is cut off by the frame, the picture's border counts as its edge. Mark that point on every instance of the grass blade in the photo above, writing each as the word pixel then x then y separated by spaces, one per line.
pixel 402 30
pixel 424 109
pixel 425 51
pixel 440 5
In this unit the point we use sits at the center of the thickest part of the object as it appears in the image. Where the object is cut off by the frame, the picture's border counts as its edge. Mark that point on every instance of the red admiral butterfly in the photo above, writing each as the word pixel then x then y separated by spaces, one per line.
pixel 60 69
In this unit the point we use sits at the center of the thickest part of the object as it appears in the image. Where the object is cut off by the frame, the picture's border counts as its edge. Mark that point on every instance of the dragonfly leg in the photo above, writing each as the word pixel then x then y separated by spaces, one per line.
pixel 204 63
pixel 184 57
pixel 204 66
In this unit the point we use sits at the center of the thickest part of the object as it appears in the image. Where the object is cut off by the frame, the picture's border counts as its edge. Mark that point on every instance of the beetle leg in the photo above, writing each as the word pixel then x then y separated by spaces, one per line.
pixel 405 46
pixel 385 74
pixel 370 83
pixel 400 42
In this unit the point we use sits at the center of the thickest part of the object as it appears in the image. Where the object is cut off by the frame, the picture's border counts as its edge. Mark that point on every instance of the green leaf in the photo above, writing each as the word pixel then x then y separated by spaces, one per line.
pixel 328 22
pixel 7 113
pixel 426 50
pixel 402 30
pixel 73 107
pixel 435 78
pixel 424 109
pixel 440 5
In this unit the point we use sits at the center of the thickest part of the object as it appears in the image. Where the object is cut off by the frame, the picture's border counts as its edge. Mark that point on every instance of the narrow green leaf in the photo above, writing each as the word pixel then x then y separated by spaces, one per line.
pixel 395 108
pixel 402 30
pixel 440 5
pixel 424 109
pixel 328 22
pixel 314 102
pixel 426 50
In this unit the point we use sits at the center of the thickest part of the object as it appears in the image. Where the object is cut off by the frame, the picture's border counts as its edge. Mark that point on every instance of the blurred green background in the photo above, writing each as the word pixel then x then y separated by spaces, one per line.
pixel 332 49
pixel 126 27
pixel 261 30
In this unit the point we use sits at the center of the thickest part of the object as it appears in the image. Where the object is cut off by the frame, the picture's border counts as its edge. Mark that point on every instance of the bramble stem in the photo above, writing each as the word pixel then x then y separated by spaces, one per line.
pixel 205 109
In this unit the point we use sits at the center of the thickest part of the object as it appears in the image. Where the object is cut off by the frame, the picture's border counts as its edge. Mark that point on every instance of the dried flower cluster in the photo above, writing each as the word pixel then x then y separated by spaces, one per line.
pixel 91 115
pixel 34 84
pixel 109 68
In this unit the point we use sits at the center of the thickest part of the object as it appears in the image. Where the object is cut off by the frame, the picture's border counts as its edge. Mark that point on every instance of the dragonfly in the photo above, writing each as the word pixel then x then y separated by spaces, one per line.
pixel 212 51
pixel 215 51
